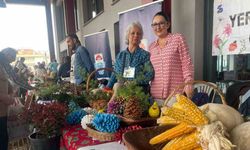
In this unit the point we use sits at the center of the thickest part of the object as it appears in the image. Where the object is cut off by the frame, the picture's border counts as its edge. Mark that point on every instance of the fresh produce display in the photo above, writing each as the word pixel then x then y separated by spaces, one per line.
pixel 192 131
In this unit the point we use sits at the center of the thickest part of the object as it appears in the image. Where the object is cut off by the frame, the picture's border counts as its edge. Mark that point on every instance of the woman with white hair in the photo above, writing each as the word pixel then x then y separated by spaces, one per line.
pixel 130 63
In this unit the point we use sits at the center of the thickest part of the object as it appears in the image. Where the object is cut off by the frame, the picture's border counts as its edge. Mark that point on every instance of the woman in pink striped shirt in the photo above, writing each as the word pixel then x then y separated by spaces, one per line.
pixel 170 58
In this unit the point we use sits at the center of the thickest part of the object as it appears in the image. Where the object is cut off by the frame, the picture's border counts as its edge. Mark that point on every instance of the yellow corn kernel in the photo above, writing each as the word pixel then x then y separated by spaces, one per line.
pixel 189 142
pixel 191 110
pixel 176 114
pixel 182 128
pixel 165 120
pixel 175 140
pixel 198 148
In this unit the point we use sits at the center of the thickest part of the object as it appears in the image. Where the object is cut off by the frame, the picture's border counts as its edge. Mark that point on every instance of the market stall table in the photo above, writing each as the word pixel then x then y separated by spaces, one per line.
pixel 76 138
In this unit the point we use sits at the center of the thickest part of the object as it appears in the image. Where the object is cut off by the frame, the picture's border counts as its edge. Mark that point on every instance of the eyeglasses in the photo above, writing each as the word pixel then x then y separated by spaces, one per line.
pixel 160 24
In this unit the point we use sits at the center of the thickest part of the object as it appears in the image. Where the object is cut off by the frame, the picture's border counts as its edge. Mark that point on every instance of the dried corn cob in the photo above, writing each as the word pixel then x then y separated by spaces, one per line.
pixel 176 114
pixel 198 148
pixel 189 142
pixel 191 110
pixel 165 120
pixel 182 128
pixel 175 140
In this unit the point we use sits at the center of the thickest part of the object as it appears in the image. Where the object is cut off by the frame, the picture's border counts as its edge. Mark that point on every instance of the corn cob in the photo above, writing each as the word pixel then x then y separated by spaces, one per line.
pixel 189 142
pixel 176 114
pixel 182 128
pixel 175 140
pixel 198 148
pixel 191 110
pixel 165 120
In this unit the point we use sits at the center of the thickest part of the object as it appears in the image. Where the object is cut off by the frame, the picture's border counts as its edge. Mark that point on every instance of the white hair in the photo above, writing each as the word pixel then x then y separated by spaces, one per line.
pixel 130 26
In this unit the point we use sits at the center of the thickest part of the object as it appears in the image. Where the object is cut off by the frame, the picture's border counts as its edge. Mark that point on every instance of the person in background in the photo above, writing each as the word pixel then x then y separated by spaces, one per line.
pixel 64 70
pixel 131 61
pixel 52 68
pixel 41 73
pixel 22 70
pixel 8 81
pixel 20 67
pixel 82 62
pixel 170 58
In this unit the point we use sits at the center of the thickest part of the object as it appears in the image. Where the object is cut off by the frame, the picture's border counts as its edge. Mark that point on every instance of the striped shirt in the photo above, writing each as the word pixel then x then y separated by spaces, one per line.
pixel 172 65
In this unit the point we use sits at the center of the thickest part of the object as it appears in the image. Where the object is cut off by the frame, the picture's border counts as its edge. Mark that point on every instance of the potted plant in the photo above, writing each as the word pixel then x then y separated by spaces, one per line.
pixel 47 120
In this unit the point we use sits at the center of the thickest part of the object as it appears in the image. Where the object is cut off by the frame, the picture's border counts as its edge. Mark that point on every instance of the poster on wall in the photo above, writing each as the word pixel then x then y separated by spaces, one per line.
pixel 143 14
pixel 231 27
pixel 99 51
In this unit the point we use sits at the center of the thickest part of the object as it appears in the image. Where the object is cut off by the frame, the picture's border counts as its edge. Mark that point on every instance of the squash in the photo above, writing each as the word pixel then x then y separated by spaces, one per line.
pixel 224 113
pixel 240 136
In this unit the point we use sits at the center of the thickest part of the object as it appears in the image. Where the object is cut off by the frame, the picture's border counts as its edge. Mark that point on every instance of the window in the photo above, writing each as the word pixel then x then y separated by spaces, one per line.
pixel 60 22
pixel 76 15
pixel 91 8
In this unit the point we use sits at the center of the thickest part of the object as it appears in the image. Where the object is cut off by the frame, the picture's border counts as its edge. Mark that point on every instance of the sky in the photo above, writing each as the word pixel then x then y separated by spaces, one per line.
pixel 23 27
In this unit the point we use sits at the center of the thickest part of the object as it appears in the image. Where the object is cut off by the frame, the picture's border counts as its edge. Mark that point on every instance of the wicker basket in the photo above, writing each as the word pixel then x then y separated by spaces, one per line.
pixel 139 139
pixel 93 73
pixel 101 136
pixel 207 85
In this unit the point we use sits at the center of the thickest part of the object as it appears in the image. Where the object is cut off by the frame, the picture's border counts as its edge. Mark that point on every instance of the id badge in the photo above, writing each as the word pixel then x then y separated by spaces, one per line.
pixel 129 72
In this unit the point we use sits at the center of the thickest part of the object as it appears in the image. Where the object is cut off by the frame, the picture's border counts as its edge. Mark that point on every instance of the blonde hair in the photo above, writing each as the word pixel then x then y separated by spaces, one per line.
pixel 130 26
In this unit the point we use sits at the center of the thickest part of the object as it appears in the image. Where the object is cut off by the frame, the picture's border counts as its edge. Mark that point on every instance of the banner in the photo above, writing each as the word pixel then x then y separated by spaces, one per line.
pixel 99 51
pixel 143 14
pixel 231 27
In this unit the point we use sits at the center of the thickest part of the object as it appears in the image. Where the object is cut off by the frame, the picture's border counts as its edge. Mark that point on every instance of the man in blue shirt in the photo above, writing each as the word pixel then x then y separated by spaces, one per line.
pixel 82 61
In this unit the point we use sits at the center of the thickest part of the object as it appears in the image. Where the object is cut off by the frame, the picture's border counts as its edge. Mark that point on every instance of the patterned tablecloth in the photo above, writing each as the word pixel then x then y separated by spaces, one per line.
pixel 74 137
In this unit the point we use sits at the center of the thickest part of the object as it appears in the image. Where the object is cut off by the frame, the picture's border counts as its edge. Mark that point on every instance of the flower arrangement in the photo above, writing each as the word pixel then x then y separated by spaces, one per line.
pixel 47 119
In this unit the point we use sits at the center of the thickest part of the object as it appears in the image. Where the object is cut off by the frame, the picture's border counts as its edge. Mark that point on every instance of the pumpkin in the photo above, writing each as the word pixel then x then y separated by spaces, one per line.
pixel 224 113
pixel 240 136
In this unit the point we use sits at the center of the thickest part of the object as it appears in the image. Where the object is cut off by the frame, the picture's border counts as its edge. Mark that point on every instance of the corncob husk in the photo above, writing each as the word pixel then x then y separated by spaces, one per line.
pixel 182 128
pixel 213 137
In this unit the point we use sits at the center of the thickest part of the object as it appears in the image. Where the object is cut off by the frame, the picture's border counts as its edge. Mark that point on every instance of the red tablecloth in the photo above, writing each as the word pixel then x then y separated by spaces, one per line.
pixel 74 137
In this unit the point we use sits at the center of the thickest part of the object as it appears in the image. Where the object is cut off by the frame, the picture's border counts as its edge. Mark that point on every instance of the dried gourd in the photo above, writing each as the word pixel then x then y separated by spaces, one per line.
pixel 224 113
pixel 240 136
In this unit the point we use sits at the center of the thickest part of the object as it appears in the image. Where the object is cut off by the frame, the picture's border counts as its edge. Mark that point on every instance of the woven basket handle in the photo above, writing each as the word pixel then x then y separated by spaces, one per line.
pixel 92 73
pixel 215 88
